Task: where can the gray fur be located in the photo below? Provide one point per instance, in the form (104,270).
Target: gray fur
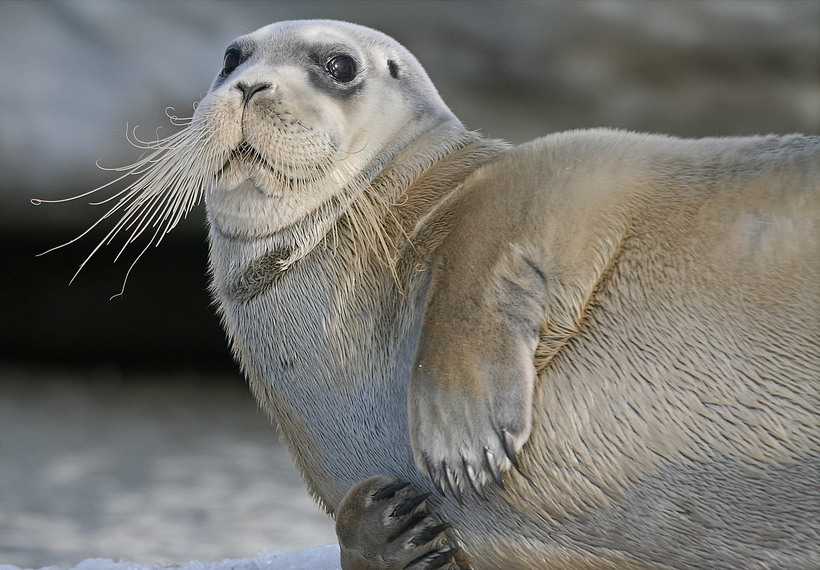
(714,514)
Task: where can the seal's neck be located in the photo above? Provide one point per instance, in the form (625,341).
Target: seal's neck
(328,343)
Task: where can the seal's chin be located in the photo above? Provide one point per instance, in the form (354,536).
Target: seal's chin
(252,205)
(237,188)
(241,181)
(239,206)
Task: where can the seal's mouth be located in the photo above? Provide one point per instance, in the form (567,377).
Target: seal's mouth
(247,158)
(245,154)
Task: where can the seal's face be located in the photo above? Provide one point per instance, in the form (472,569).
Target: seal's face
(301,118)
(297,114)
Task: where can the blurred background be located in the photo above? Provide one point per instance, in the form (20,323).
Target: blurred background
(126,431)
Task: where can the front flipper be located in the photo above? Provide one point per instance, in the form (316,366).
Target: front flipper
(384,523)
(471,389)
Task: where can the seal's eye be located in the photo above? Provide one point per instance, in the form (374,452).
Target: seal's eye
(342,68)
(232,60)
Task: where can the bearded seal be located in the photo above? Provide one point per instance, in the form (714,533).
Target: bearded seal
(598,349)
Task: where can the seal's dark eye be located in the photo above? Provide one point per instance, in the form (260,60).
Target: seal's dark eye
(341,68)
(232,60)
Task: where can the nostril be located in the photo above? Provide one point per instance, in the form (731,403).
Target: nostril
(249,91)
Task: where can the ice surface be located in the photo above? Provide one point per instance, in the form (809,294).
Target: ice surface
(318,558)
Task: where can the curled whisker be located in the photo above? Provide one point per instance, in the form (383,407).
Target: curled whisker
(167,183)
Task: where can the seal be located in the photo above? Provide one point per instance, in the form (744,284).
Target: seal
(598,349)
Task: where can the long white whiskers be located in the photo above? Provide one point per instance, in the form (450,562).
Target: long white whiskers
(170,181)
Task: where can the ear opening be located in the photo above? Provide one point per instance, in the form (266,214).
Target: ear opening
(394,69)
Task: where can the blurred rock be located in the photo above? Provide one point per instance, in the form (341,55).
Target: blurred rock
(77,73)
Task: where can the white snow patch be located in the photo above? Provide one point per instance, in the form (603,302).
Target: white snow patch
(317,558)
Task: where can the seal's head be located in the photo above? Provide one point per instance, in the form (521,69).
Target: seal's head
(302,115)
(300,120)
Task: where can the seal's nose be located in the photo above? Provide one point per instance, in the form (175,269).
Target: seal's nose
(249,91)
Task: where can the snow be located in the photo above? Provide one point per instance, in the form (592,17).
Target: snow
(318,558)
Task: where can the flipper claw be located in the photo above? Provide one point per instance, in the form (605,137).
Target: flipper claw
(509,446)
(409,505)
(472,479)
(492,467)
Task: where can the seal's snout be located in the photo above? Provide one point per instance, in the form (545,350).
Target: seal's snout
(249,91)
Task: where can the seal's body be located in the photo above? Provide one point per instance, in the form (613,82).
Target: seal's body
(601,347)
(674,418)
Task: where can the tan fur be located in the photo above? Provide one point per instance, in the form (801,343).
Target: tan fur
(684,258)
(632,320)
